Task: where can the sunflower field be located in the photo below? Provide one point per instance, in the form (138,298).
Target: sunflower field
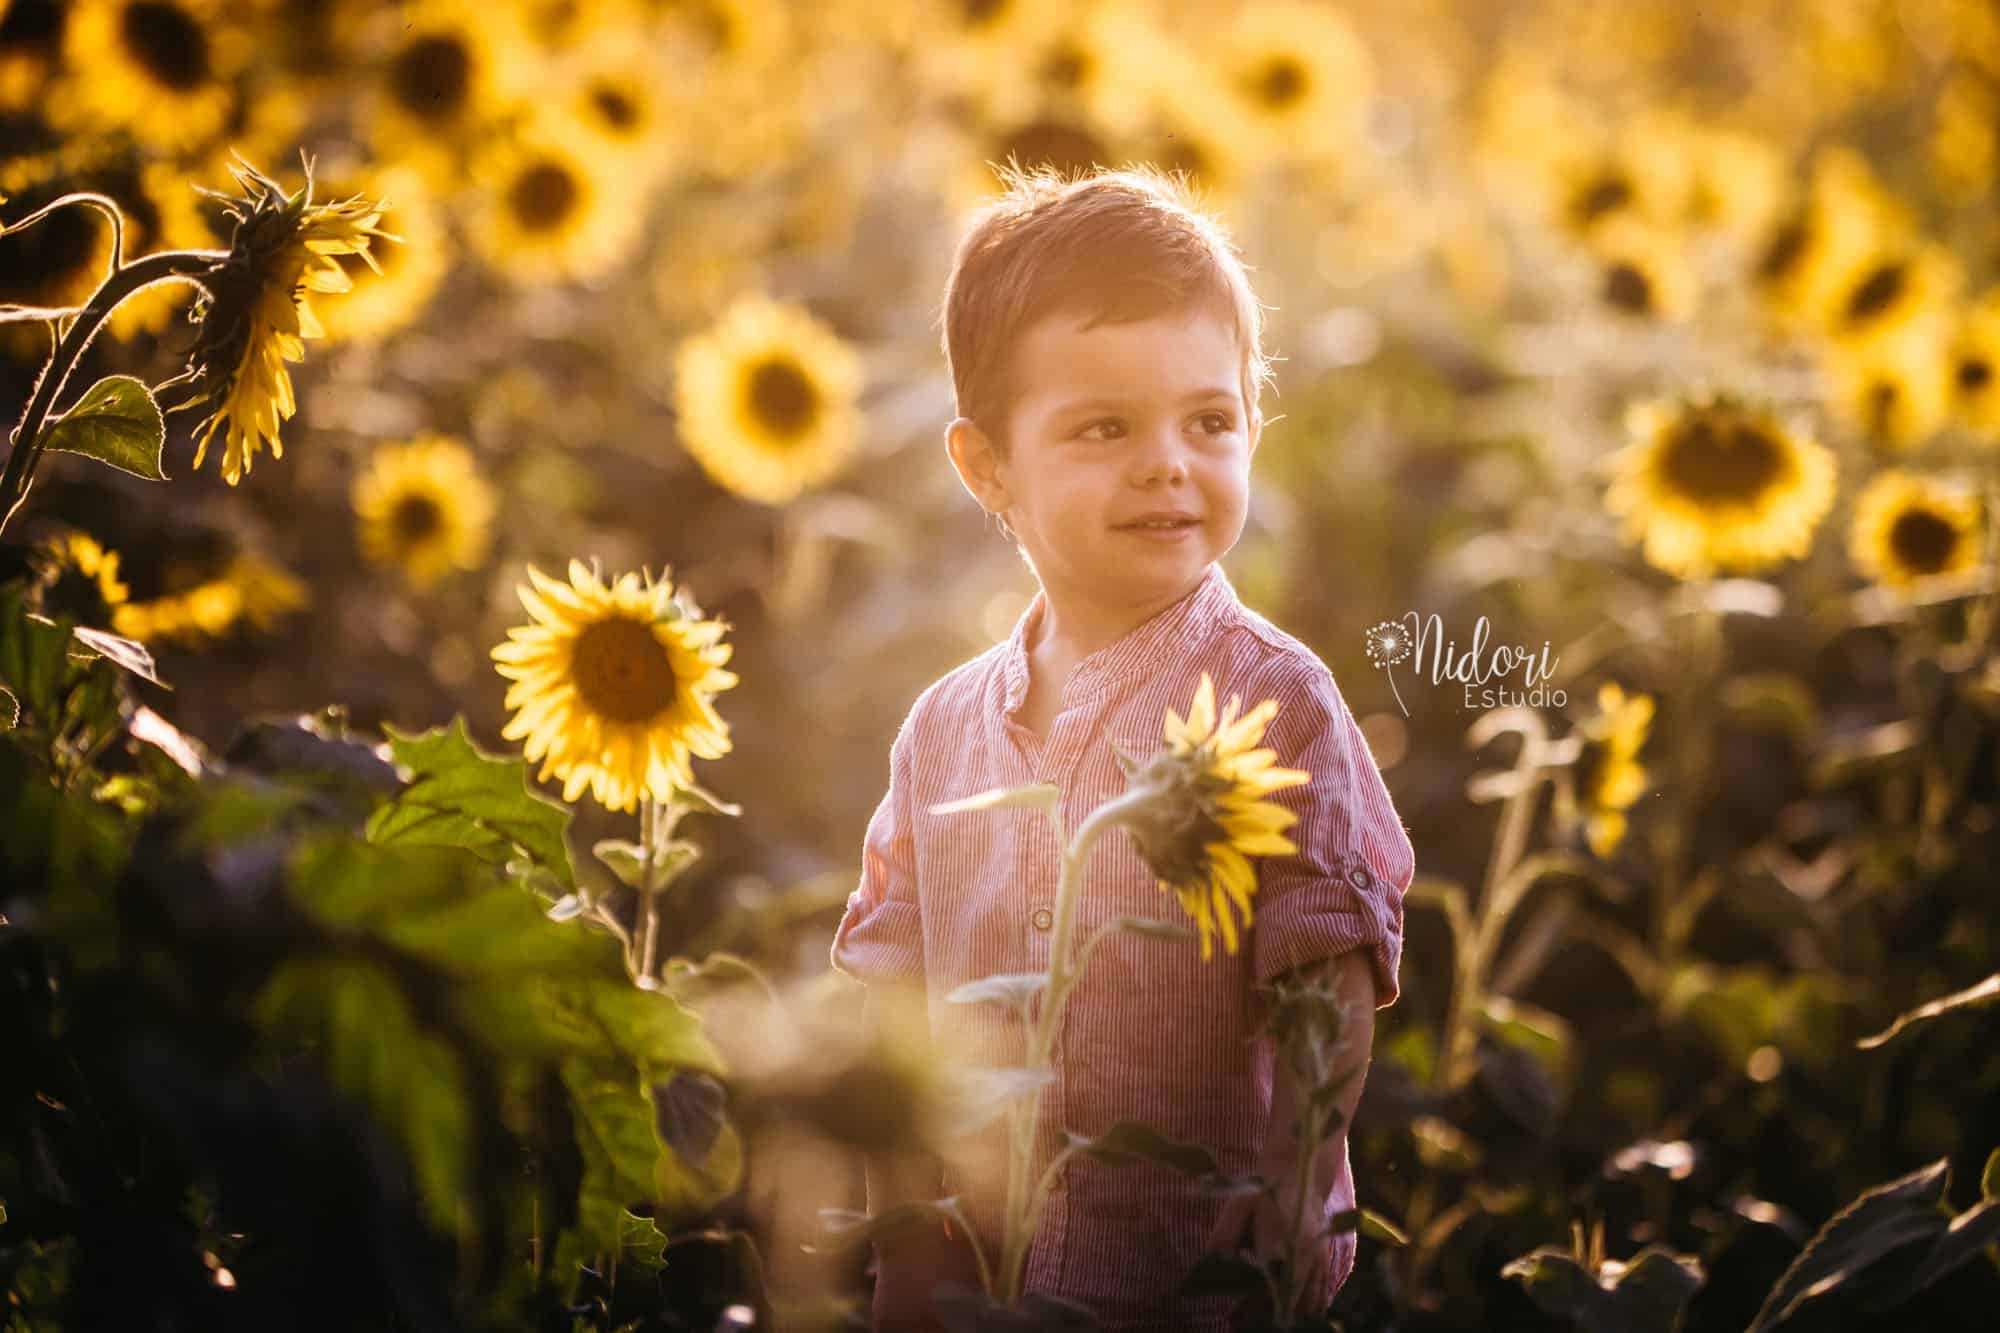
(473,521)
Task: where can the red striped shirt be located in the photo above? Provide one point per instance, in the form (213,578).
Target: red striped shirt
(1151,1033)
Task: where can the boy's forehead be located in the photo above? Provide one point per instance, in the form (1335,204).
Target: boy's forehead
(1070,353)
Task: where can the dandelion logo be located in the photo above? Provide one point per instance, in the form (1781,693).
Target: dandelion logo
(1388,644)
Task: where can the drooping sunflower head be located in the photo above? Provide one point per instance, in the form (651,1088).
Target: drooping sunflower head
(424,508)
(1908,527)
(1608,776)
(1205,814)
(159,69)
(1887,292)
(77,580)
(767,400)
(614,685)
(1712,483)
(284,247)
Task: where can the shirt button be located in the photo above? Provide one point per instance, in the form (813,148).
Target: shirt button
(1042,918)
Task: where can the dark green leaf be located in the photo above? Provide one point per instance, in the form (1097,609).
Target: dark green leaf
(1221,1274)
(1643,1296)
(1156,928)
(34,658)
(616,1139)
(460,797)
(10,709)
(131,655)
(704,802)
(115,422)
(624,859)
(1129,1140)
(688,1113)
(375,1051)
(1984,993)
(1858,1260)
(1369,1223)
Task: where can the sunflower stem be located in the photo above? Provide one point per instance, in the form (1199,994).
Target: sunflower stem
(1024,1204)
(184,265)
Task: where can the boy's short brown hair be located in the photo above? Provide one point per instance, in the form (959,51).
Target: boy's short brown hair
(1116,246)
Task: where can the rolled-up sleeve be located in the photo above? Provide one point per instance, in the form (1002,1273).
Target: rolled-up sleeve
(1343,889)
(881,936)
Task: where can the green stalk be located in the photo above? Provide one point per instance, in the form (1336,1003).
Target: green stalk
(185,265)
(1024,1204)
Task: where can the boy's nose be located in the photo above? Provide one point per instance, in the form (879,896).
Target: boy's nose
(1161,460)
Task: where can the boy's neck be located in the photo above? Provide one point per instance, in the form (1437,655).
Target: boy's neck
(1073,626)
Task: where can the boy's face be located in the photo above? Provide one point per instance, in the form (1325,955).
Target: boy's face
(1111,426)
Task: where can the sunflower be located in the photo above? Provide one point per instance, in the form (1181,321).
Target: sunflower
(1894,392)
(548,212)
(393,286)
(160,69)
(1058,137)
(958,47)
(619,103)
(1298,76)
(1888,292)
(1642,271)
(1735,181)
(1975,365)
(453,68)
(1608,776)
(78,580)
(31,40)
(284,247)
(767,400)
(1804,267)
(614,683)
(247,590)
(1595,184)
(1712,483)
(423,507)
(1908,527)
(1208,815)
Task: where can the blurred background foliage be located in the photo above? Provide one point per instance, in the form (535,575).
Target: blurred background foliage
(1662,334)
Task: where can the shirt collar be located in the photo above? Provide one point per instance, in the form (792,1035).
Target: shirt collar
(1176,628)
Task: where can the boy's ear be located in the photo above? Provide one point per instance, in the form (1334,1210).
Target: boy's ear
(1256,428)
(977,463)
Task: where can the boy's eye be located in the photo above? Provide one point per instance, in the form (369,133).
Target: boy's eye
(1217,423)
(1117,426)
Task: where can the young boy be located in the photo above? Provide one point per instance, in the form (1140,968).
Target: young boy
(1105,351)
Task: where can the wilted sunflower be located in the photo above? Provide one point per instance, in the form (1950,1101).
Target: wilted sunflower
(424,507)
(1608,776)
(1908,527)
(160,69)
(1298,76)
(1712,483)
(614,683)
(258,311)
(1895,392)
(767,400)
(549,212)
(77,580)
(1208,814)
(393,286)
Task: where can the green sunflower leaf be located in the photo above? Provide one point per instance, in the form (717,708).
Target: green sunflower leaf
(1129,1141)
(1644,1296)
(127,653)
(461,797)
(10,709)
(115,422)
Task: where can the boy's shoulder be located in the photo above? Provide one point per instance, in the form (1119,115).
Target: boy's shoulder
(952,697)
(1254,654)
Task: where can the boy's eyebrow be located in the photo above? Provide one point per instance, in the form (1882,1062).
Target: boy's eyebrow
(1114,400)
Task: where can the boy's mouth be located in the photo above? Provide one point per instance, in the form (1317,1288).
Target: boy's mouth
(1160,523)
